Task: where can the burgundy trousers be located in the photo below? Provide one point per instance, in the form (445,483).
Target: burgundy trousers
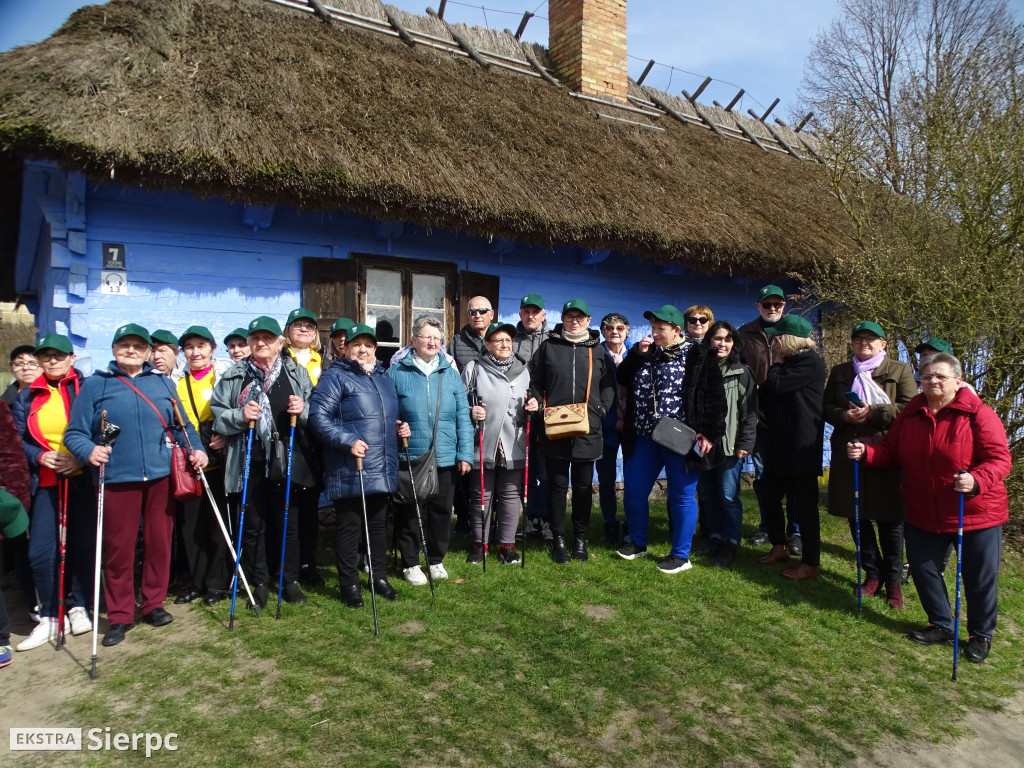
(124,505)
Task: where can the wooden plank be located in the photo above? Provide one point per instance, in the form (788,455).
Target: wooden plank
(703,115)
(532,58)
(397,26)
(782,142)
(669,109)
(462,40)
(320,11)
(606,103)
(743,129)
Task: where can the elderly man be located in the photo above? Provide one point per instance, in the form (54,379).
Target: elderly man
(469,342)
(758,349)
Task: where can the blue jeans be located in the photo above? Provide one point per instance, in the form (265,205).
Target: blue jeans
(44,547)
(719,492)
(982,552)
(642,468)
(606,467)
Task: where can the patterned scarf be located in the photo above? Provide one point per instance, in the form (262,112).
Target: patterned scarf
(262,380)
(675,351)
(504,366)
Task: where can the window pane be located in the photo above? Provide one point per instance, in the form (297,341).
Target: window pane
(383,287)
(428,292)
(386,323)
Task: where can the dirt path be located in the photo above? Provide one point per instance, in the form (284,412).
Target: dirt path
(993,740)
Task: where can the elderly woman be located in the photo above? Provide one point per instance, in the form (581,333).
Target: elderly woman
(205,550)
(265,389)
(570,367)
(339,332)
(304,346)
(25,369)
(882,388)
(790,399)
(354,414)
(668,376)
(698,319)
(135,396)
(718,489)
(500,382)
(237,344)
(951,447)
(428,387)
(615,329)
(41,414)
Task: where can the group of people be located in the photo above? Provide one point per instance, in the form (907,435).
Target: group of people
(505,415)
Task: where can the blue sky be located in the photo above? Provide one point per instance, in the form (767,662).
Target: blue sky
(758,46)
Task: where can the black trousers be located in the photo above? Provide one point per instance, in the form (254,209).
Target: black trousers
(881,557)
(437,518)
(581,473)
(262,530)
(349,535)
(801,495)
(307,505)
(206,553)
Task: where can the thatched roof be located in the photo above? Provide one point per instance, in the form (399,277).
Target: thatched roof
(261,103)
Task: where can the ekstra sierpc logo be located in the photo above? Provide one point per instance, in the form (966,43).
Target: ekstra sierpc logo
(95,739)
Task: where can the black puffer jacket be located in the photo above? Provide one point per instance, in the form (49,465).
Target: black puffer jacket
(702,392)
(465,346)
(791,399)
(560,371)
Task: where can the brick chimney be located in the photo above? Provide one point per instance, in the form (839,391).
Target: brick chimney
(587,45)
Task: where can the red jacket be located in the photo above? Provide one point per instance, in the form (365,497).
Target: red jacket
(931,447)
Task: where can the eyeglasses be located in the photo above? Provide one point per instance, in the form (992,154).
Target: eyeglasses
(429,339)
(45,357)
(935,377)
(619,328)
(128,346)
(865,339)
(574,319)
(500,342)
(773,304)
(697,320)
(25,364)
(304,325)
(472,312)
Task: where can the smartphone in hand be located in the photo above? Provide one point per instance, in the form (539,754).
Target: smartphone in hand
(854,398)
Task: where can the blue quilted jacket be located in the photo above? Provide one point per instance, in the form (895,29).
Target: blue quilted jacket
(349,404)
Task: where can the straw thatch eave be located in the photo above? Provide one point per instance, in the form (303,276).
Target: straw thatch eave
(255,103)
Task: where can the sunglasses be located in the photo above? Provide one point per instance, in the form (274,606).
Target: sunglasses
(697,320)
(773,304)
(45,357)
(472,312)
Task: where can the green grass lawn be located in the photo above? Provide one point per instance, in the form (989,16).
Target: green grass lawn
(606,663)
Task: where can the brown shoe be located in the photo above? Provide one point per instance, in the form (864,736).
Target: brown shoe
(801,572)
(777,554)
(894,596)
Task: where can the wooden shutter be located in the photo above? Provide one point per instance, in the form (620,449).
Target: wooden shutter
(475,284)
(330,288)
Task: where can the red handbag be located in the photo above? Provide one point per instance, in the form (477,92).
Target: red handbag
(184,479)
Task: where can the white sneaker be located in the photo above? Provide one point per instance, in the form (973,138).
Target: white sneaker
(437,571)
(41,634)
(415,576)
(79,619)
(34,614)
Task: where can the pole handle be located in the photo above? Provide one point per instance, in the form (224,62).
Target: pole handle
(359,463)
(252,425)
(103,420)
(293,419)
(177,412)
(405,443)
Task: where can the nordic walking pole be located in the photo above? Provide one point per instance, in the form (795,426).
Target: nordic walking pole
(485,523)
(369,554)
(284,525)
(419,517)
(108,434)
(959,573)
(213,504)
(856,535)
(526,490)
(241,525)
(62,537)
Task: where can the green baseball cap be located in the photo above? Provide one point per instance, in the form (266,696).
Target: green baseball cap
(770,290)
(239,332)
(160,336)
(493,328)
(264,323)
(361,329)
(299,314)
(578,304)
(532,300)
(55,341)
(667,314)
(195,330)
(22,349)
(790,325)
(342,325)
(132,329)
(870,326)
(939,345)
(13,517)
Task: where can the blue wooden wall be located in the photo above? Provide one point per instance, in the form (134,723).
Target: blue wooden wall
(220,264)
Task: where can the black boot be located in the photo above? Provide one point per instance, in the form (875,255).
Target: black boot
(558,553)
(579,549)
(611,534)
